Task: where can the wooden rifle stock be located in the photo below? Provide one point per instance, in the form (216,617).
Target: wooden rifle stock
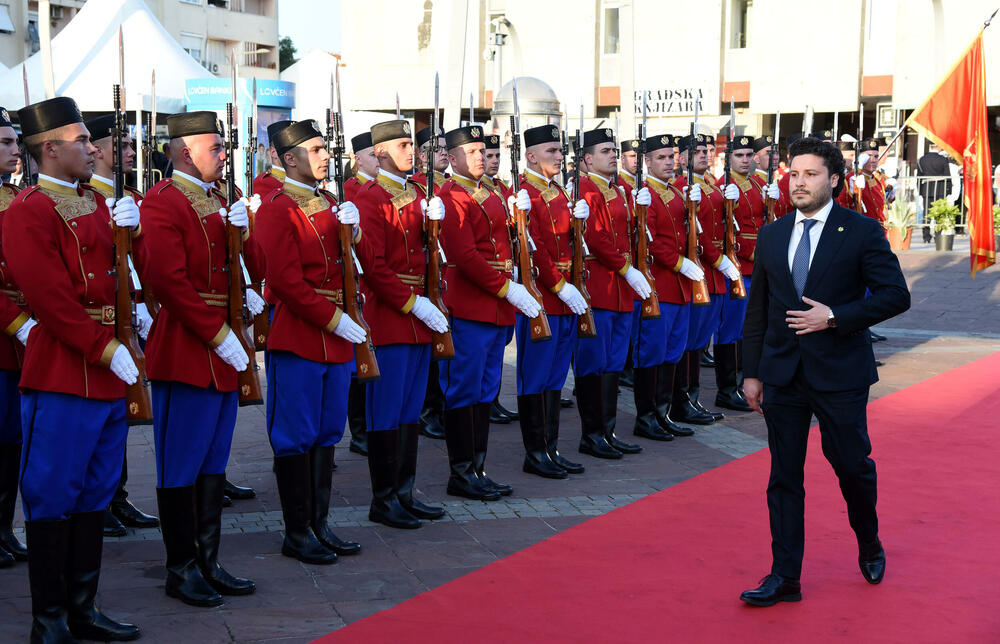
(737,289)
(249,388)
(769,210)
(586,326)
(699,289)
(139,404)
(442,347)
(651,305)
(261,321)
(364,353)
(540,329)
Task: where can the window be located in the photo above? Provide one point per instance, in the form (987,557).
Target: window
(6,24)
(612,42)
(740,23)
(33,34)
(219,3)
(191,1)
(192,44)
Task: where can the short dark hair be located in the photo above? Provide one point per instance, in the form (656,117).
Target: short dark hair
(832,157)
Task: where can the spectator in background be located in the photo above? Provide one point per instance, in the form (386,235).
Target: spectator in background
(935,163)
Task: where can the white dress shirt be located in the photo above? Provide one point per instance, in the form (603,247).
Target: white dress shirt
(205,185)
(400,180)
(814,232)
(304,186)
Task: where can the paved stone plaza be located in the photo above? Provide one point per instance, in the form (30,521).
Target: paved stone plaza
(953,321)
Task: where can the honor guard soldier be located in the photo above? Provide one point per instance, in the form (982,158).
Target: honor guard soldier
(482,297)
(613,284)
(365,170)
(764,155)
(542,367)
(431,421)
(402,318)
(57,241)
(627,168)
(748,211)
(659,343)
(14,317)
(868,183)
(311,343)
(705,320)
(192,355)
(267,182)
(121,513)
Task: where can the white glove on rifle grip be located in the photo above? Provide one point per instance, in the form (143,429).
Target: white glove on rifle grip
(255,303)
(124,213)
(521,299)
(642,197)
(22,333)
(232,353)
(426,312)
(695,191)
(858,182)
(732,192)
(123,366)
(572,298)
(350,330)
(729,269)
(773,192)
(236,215)
(581,210)
(433,209)
(691,270)
(143,320)
(638,282)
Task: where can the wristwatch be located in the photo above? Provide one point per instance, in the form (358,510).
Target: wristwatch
(831,321)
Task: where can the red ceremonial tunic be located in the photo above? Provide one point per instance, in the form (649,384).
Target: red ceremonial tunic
(609,240)
(627,182)
(872,196)
(666,218)
(184,263)
(57,243)
(394,258)
(712,215)
(13,307)
(267,182)
(549,223)
(300,237)
(783,205)
(353,185)
(439,179)
(749,214)
(496,185)
(476,241)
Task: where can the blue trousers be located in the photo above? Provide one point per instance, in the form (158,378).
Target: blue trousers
(192,431)
(306,402)
(543,366)
(662,339)
(733,314)
(397,398)
(71,458)
(10,408)
(473,377)
(606,353)
(705,321)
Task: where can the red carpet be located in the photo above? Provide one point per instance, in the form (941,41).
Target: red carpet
(672,565)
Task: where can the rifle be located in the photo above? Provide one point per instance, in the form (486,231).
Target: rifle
(250,391)
(149,171)
(139,404)
(586,326)
(773,156)
(26,178)
(364,353)
(737,289)
(651,305)
(859,204)
(261,321)
(564,143)
(442,347)
(525,246)
(699,289)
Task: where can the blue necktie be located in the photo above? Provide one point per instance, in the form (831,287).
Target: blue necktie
(800,263)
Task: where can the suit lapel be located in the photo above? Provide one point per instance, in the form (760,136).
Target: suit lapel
(834,234)
(783,236)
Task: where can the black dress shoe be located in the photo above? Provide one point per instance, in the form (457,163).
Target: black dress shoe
(113,527)
(497,417)
(133,517)
(877,337)
(871,559)
(239,493)
(565,403)
(598,446)
(707,360)
(95,625)
(879,363)
(431,425)
(773,589)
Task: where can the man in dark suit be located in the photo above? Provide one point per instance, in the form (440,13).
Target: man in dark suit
(806,351)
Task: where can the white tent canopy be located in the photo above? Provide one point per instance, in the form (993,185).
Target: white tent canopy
(85,61)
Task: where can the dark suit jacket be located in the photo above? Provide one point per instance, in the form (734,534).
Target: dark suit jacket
(852,255)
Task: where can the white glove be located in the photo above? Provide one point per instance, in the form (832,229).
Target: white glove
(350,330)
(253,203)
(429,314)
(347,214)
(232,352)
(732,192)
(858,182)
(638,283)
(729,269)
(642,197)
(522,300)
(123,366)
(22,333)
(691,270)
(124,213)
(433,209)
(143,320)
(572,298)
(581,209)
(773,192)
(255,303)
(237,214)
(863,159)
(521,201)
(695,193)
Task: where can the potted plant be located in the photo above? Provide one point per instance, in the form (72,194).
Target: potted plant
(900,224)
(996,223)
(943,214)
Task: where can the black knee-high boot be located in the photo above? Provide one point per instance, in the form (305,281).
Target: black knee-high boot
(407,475)
(609,391)
(590,402)
(208,492)
(532,418)
(646,423)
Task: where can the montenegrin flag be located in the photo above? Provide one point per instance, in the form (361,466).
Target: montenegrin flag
(954,117)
